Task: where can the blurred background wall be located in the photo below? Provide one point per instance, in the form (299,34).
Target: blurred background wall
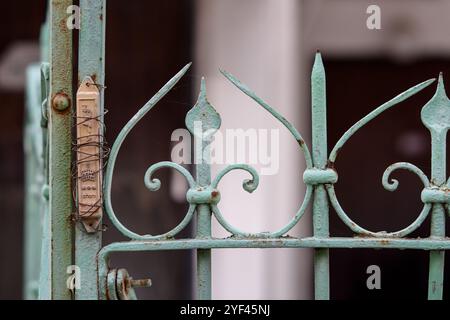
(269,45)
(258,42)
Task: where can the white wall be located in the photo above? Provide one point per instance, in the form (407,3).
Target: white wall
(259,42)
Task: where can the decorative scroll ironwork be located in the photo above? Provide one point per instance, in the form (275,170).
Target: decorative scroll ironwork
(207,116)
(203,195)
(202,191)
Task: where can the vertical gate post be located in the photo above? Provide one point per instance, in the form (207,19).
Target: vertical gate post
(320,156)
(202,121)
(203,177)
(60,147)
(91,62)
(434,118)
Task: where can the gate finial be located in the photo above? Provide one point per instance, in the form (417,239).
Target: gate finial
(436,113)
(204,114)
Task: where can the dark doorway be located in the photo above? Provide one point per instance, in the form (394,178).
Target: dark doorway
(147,42)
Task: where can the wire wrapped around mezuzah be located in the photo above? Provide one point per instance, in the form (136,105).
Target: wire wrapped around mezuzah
(89,154)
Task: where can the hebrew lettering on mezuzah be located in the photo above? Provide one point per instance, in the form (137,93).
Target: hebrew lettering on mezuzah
(89,160)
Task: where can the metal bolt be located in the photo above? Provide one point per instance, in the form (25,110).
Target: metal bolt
(61,102)
(140,283)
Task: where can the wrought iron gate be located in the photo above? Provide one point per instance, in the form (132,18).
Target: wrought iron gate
(64,239)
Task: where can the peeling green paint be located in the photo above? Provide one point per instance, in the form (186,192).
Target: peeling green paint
(60,149)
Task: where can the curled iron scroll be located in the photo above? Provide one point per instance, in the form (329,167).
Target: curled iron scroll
(388,185)
(251,185)
(151,184)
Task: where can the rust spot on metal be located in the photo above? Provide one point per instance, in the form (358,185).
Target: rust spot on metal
(126,284)
(214,194)
(301,142)
(63,25)
(337,152)
(108,297)
(73,218)
(141,283)
(384,242)
(330,164)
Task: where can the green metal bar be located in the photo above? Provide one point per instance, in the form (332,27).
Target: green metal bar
(436,117)
(60,123)
(437,258)
(46,241)
(285,242)
(91,62)
(34,179)
(292,243)
(201,116)
(320,200)
(203,255)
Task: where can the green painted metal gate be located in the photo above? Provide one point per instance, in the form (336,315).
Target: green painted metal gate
(58,242)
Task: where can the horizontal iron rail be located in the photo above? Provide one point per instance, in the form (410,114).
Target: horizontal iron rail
(261,243)
(285,242)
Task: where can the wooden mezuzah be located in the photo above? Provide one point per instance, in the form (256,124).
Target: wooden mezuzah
(89,160)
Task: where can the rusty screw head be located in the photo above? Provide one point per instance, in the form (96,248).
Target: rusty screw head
(141,283)
(60,102)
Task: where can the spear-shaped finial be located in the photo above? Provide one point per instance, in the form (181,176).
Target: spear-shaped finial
(204,114)
(319,112)
(436,113)
(440,86)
